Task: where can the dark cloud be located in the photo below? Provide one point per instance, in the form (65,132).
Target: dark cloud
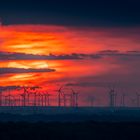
(127,55)
(108,52)
(22,70)
(4,88)
(18,87)
(111,53)
(23,56)
(86,13)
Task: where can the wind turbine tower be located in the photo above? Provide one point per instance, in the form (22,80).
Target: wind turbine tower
(123,100)
(112,95)
(138,99)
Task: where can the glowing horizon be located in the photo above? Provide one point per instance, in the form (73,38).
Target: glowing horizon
(108,55)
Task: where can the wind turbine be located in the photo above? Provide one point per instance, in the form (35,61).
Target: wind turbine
(112,95)
(9,96)
(1,91)
(47,98)
(23,95)
(34,93)
(59,95)
(123,99)
(138,99)
(133,100)
(17,101)
(66,97)
(74,100)
(35,98)
(38,99)
(42,100)
(8,100)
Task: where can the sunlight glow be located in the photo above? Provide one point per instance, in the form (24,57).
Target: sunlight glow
(27,65)
(22,77)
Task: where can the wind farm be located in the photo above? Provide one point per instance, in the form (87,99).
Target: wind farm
(32,96)
(64,102)
(62,97)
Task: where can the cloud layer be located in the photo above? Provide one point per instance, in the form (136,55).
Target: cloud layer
(75,56)
(23,56)
(22,70)
(86,58)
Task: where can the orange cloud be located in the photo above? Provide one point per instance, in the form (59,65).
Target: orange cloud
(46,39)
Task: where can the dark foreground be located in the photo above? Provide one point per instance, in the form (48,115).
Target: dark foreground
(69,131)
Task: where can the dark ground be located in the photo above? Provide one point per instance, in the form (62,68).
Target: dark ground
(69,131)
(70,124)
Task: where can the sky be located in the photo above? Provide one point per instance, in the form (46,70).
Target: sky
(88,46)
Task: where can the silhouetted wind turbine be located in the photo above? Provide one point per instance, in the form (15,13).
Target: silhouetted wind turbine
(133,102)
(47,98)
(138,99)
(23,95)
(74,98)
(112,95)
(123,99)
(8,100)
(34,93)
(59,95)
(1,97)
(35,98)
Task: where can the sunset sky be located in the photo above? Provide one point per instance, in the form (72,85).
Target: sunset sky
(89,46)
